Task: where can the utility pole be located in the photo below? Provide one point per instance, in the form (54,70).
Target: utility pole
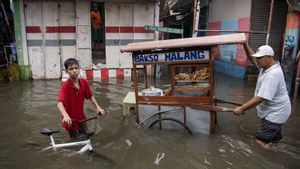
(196,17)
(270,22)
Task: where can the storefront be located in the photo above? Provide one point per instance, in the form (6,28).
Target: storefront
(57,30)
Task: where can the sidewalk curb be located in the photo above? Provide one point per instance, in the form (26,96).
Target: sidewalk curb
(100,73)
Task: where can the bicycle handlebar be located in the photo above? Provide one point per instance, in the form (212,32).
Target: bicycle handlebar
(49,132)
(85,120)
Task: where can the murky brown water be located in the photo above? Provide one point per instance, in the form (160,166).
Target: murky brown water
(27,107)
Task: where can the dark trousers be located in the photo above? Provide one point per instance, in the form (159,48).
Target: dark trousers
(269,131)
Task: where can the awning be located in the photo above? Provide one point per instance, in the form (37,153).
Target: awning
(186,42)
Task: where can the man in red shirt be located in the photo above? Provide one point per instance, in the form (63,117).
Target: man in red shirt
(71,98)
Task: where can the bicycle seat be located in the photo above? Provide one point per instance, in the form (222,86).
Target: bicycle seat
(48,132)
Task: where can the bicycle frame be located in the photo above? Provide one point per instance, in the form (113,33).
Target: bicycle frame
(87,145)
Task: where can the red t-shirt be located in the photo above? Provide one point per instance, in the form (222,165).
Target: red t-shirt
(73,100)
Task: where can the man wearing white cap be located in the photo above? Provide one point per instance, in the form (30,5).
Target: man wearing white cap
(270,98)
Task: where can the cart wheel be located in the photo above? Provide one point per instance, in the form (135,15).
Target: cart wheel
(178,122)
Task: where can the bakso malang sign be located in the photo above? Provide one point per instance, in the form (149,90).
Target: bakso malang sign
(172,57)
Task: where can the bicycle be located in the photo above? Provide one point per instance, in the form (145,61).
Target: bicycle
(87,145)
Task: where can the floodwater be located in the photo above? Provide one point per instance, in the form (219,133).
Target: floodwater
(27,107)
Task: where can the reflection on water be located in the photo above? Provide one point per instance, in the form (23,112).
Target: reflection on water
(27,107)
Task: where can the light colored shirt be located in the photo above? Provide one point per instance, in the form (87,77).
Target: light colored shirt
(271,86)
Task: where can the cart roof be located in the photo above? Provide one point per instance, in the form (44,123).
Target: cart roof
(185,42)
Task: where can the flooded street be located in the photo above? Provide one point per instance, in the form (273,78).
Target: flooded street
(27,107)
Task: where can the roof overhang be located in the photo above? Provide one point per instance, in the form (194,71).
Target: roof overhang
(206,41)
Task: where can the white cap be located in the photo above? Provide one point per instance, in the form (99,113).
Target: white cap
(264,50)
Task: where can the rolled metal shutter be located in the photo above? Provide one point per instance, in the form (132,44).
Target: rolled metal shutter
(259,22)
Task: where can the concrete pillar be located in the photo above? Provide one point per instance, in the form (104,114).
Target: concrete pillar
(20,36)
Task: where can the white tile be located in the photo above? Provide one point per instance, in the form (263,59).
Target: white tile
(112,73)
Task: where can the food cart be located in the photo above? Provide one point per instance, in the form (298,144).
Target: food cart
(181,77)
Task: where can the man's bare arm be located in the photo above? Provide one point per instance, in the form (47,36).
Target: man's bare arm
(249,52)
(256,100)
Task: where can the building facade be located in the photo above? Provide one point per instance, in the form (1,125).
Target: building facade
(51,31)
(251,17)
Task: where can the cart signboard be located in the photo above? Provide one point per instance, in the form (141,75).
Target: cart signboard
(172,57)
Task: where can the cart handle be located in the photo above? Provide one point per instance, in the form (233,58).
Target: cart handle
(225,101)
(211,108)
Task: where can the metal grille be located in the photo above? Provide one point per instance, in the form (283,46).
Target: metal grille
(259,22)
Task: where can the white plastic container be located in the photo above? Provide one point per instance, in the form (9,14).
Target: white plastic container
(152,92)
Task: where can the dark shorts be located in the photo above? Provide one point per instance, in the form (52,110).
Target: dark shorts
(269,131)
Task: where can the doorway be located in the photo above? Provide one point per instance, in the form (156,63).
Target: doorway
(98,34)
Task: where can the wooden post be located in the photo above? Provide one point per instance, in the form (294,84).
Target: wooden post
(297,80)
(196,17)
(213,114)
(270,22)
(135,89)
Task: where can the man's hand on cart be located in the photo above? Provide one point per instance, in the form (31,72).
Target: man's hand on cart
(238,111)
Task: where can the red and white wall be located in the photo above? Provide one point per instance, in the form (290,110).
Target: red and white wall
(230,59)
(57,30)
(125,24)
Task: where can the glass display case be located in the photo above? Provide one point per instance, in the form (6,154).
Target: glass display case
(172,81)
(190,80)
